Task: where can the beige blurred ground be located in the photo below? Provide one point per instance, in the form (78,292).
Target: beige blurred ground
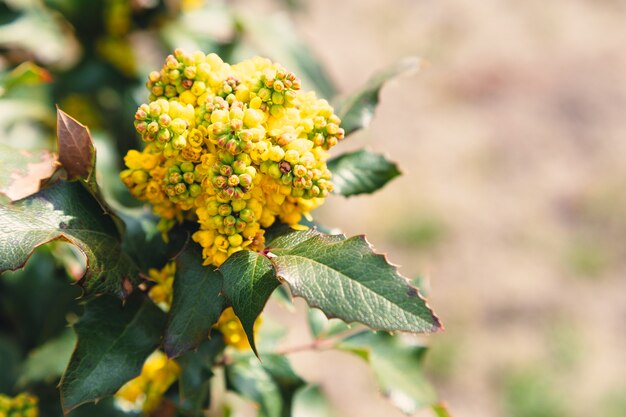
(512,140)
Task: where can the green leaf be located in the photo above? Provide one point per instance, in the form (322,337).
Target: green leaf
(196,373)
(143,241)
(197,303)
(23,171)
(249,280)
(361,172)
(247,377)
(10,357)
(288,381)
(113,342)
(397,367)
(357,110)
(47,362)
(271,384)
(36,300)
(310,401)
(76,151)
(68,211)
(347,280)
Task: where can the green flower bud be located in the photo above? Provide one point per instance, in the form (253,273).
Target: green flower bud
(180,188)
(274,171)
(189,177)
(233,180)
(230,221)
(247,215)
(195,190)
(238,205)
(179,126)
(224,210)
(179,142)
(240,226)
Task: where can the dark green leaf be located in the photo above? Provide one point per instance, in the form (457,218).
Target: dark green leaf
(361,172)
(196,373)
(249,280)
(76,151)
(10,357)
(347,280)
(357,110)
(197,304)
(36,300)
(144,243)
(397,367)
(113,343)
(310,401)
(68,211)
(23,171)
(47,362)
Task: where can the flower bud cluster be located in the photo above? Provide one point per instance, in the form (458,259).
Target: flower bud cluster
(231,147)
(231,329)
(23,405)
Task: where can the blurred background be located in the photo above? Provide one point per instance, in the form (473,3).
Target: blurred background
(511,140)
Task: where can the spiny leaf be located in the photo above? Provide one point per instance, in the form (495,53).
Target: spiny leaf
(76,151)
(23,171)
(249,280)
(196,373)
(397,367)
(197,302)
(113,342)
(357,110)
(347,280)
(361,172)
(68,211)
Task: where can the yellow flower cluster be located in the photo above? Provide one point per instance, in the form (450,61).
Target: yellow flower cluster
(23,405)
(145,392)
(231,329)
(233,147)
(162,290)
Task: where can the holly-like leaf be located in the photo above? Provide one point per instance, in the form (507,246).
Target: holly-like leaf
(249,280)
(357,110)
(113,342)
(47,362)
(196,373)
(68,211)
(197,303)
(76,151)
(310,401)
(361,172)
(397,367)
(347,280)
(23,171)
(288,381)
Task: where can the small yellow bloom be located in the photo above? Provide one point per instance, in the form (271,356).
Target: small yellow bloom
(145,392)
